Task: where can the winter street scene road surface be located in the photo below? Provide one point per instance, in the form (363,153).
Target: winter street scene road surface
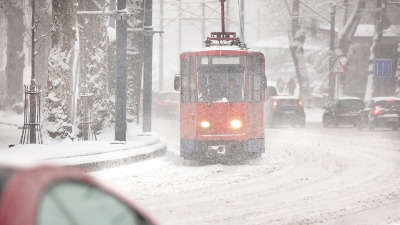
(310,175)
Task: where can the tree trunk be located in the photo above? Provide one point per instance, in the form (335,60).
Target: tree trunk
(297,38)
(93,66)
(345,37)
(345,7)
(375,47)
(43,42)
(15,53)
(57,110)
(135,61)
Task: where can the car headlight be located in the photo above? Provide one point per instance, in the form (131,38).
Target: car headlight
(205,124)
(236,124)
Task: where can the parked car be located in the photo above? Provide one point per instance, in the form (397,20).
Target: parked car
(284,110)
(47,195)
(380,112)
(166,104)
(270,91)
(342,111)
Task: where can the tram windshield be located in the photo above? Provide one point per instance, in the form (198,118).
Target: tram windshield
(220,79)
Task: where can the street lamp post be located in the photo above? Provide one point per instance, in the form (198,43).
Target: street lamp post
(120,76)
(332,12)
(147,65)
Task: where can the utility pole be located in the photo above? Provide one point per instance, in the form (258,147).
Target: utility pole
(161,49)
(242,20)
(258,24)
(120,77)
(148,63)
(228,15)
(32,102)
(332,12)
(180,28)
(111,19)
(203,21)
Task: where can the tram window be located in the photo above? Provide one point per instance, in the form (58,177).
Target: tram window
(257,82)
(192,84)
(220,81)
(250,79)
(204,60)
(185,80)
(226,60)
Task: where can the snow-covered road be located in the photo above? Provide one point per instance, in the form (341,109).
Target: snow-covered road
(307,176)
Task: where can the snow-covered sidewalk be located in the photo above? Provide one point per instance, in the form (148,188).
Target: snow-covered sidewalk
(91,155)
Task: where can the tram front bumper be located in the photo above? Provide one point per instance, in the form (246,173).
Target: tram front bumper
(194,148)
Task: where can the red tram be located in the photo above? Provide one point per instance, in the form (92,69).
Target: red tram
(222,99)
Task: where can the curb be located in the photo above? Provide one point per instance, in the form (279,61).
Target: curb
(107,164)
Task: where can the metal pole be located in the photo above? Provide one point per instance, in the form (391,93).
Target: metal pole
(223,15)
(161,49)
(32,101)
(332,52)
(227,15)
(147,67)
(336,85)
(33,41)
(258,24)
(180,28)
(120,77)
(111,19)
(242,20)
(203,21)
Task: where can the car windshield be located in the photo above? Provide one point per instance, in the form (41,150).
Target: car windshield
(387,104)
(351,103)
(220,79)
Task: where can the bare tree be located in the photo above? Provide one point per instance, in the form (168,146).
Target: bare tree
(135,60)
(345,36)
(57,111)
(15,55)
(297,37)
(2,53)
(42,31)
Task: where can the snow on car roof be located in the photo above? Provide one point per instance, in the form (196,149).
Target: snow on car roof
(377,99)
(348,98)
(279,97)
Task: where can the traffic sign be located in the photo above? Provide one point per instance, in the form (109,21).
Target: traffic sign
(337,67)
(383,68)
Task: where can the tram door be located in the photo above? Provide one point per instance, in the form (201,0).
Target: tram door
(188,112)
(255,93)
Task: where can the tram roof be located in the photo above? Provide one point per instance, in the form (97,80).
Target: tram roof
(222,48)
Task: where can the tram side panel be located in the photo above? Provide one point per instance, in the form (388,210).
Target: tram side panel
(188,110)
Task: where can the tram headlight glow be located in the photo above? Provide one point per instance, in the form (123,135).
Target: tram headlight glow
(205,124)
(236,124)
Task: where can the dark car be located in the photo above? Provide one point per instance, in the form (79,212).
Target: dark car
(284,110)
(166,104)
(342,111)
(48,195)
(380,112)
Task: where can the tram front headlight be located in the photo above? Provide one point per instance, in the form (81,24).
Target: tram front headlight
(205,124)
(236,124)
